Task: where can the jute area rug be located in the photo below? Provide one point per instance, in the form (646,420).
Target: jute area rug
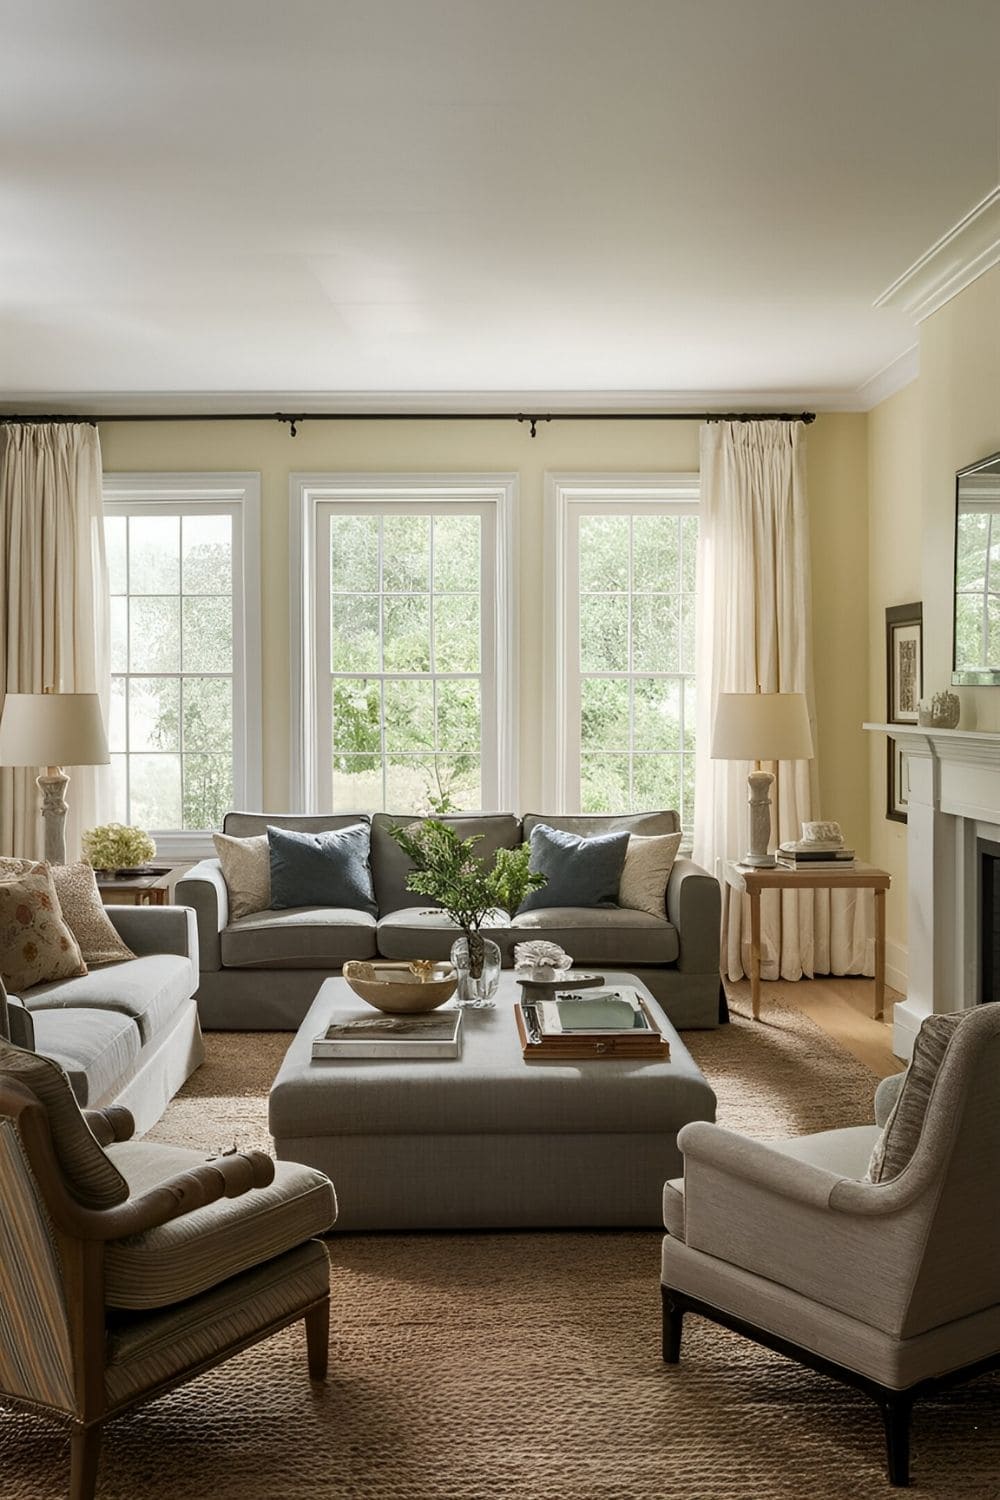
(514,1365)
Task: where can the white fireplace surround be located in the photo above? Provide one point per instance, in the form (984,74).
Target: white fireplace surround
(953,803)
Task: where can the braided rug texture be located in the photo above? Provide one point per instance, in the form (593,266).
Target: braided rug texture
(520,1366)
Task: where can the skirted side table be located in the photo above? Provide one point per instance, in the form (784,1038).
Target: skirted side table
(753,882)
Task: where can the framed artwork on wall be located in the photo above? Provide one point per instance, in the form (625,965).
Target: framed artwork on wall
(904,685)
(904,671)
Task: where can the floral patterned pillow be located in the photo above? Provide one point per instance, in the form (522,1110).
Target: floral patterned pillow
(35,943)
(82,909)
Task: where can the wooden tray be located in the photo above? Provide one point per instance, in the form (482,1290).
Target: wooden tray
(579,1048)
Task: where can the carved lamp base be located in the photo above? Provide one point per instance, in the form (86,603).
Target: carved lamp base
(52,786)
(760,783)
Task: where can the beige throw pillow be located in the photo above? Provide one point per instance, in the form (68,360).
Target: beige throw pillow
(648,862)
(86,916)
(36,945)
(82,908)
(898,1141)
(246,869)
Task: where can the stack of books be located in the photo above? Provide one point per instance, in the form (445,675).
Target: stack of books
(803,855)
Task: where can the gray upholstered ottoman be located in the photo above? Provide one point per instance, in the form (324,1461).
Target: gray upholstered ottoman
(486,1140)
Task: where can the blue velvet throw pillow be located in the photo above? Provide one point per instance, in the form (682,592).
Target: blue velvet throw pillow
(321,869)
(580,871)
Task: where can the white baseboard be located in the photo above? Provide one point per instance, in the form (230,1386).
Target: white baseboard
(897,966)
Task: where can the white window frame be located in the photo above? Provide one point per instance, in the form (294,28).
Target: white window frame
(237,495)
(567,497)
(311,496)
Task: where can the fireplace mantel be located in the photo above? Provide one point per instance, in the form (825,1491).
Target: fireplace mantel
(954,801)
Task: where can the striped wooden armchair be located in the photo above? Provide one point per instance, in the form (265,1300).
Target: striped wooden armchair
(126,1267)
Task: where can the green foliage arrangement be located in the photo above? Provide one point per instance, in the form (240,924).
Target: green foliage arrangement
(115,846)
(447,869)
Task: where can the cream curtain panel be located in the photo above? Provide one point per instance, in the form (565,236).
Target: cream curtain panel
(755,631)
(53,605)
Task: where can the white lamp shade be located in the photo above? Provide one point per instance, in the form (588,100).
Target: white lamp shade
(52,729)
(762,726)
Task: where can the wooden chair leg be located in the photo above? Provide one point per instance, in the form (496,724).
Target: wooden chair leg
(896,1412)
(84,1454)
(673,1323)
(318,1340)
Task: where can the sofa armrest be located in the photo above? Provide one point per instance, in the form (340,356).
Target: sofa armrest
(694,906)
(850,1244)
(16,1022)
(158,929)
(204,889)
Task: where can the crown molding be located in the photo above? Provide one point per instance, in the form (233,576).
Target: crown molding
(899,372)
(302,403)
(970,247)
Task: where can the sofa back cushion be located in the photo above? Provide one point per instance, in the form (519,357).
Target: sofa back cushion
(244,825)
(588,824)
(390,866)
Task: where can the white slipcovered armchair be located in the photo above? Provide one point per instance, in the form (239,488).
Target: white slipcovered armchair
(892,1286)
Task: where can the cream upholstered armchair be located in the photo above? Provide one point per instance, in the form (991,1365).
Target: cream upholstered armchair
(891,1285)
(127,1267)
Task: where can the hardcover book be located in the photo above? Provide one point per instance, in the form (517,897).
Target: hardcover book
(435,1033)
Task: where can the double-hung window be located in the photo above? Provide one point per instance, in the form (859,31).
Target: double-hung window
(625,641)
(406,668)
(184,725)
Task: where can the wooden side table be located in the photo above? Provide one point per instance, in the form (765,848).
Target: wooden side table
(752,882)
(133,890)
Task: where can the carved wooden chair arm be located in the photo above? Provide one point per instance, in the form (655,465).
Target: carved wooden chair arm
(112,1124)
(227,1176)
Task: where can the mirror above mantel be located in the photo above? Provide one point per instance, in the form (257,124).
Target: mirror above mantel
(976,659)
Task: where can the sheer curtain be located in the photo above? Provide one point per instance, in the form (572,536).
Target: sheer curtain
(755,631)
(53,605)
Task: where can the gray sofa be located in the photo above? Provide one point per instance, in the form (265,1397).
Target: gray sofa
(126,1033)
(262,972)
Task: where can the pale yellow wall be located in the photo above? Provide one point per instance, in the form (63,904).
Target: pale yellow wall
(960,418)
(948,418)
(895,562)
(838,503)
(837,479)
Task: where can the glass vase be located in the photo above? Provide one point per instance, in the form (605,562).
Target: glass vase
(477,963)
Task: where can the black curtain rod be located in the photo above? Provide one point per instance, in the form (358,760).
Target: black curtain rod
(427,416)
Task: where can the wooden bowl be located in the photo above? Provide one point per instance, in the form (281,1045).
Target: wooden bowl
(402,988)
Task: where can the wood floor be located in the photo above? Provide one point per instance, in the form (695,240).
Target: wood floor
(842,1007)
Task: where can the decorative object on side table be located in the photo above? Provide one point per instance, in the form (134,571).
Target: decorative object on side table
(116,849)
(402,988)
(904,682)
(761,727)
(53,730)
(447,869)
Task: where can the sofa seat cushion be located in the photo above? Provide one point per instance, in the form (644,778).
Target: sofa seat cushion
(419,932)
(148,989)
(846,1152)
(95,1048)
(673,1206)
(613,935)
(301,937)
(209,1245)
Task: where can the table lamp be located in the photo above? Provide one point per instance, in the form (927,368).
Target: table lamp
(759,727)
(53,730)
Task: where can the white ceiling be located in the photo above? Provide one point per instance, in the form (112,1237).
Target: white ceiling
(645,196)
